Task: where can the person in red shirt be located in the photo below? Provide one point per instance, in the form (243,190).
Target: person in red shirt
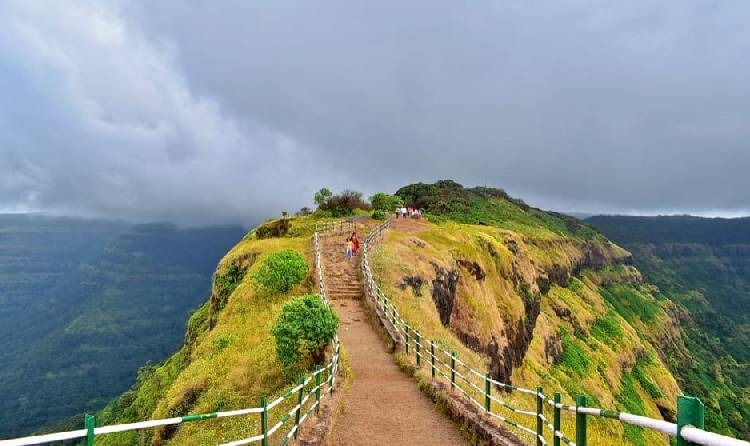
(355,243)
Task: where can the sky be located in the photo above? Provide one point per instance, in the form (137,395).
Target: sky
(232,111)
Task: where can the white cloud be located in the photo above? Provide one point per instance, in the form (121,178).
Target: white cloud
(98,119)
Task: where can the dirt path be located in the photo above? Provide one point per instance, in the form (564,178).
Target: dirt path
(383,406)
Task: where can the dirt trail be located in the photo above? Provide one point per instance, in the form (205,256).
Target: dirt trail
(383,406)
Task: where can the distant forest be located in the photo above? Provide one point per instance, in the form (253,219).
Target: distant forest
(85,303)
(702,264)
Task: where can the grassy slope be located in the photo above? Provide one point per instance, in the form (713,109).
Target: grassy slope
(228,367)
(704,266)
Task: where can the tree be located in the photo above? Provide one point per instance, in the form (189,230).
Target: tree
(386,203)
(280,271)
(322,196)
(302,331)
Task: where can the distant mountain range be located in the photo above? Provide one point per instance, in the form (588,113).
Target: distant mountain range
(85,303)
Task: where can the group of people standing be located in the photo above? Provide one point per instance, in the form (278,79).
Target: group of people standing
(408,212)
(352,246)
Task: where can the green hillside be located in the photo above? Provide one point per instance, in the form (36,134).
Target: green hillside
(703,265)
(85,303)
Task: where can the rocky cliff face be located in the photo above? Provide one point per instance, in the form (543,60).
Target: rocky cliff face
(529,279)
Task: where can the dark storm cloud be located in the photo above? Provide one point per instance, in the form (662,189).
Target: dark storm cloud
(222,110)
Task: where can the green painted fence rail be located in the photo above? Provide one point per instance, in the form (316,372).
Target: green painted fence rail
(476,385)
(309,392)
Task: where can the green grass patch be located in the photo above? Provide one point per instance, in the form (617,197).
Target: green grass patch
(573,357)
(608,329)
(641,374)
(631,302)
(630,401)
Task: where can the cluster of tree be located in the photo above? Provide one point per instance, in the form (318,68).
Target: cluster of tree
(349,201)
(341,204)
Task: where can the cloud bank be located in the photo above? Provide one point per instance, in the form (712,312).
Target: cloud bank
(233,111)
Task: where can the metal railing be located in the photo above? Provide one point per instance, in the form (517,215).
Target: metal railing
(309,392)
(476,386)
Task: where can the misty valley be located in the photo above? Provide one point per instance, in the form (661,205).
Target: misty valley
(85,303)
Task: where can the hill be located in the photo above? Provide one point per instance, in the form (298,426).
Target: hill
(534,297)
(530,296)
(703,265)
(85,303)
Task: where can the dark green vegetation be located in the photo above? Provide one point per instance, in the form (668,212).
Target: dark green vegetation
(704,266)
(339,205)
(280,271)
(489,206)
(85,303)
(302,332)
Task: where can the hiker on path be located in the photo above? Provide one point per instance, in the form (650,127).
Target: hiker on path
(349,248)
(355,243)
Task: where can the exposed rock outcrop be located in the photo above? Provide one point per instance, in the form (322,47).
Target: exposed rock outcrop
(444,291)
(414,282)
(473,267)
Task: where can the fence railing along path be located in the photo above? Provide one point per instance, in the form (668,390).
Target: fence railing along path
(289,410)
(477,386)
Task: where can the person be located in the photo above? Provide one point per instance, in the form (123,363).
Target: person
(355,243)
(349,247)
(398,213)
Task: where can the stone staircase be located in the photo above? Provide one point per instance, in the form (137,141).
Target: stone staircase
(341,275)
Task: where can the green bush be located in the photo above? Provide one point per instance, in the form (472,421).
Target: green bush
(280,271)
(302,331)
(378,215)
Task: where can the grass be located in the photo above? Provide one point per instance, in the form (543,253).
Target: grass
(607,329)
(573,357)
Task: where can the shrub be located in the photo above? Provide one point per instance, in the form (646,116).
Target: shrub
(280,271)
(302,331)
(377,214)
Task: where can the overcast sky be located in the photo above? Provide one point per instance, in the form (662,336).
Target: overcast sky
(226,111)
